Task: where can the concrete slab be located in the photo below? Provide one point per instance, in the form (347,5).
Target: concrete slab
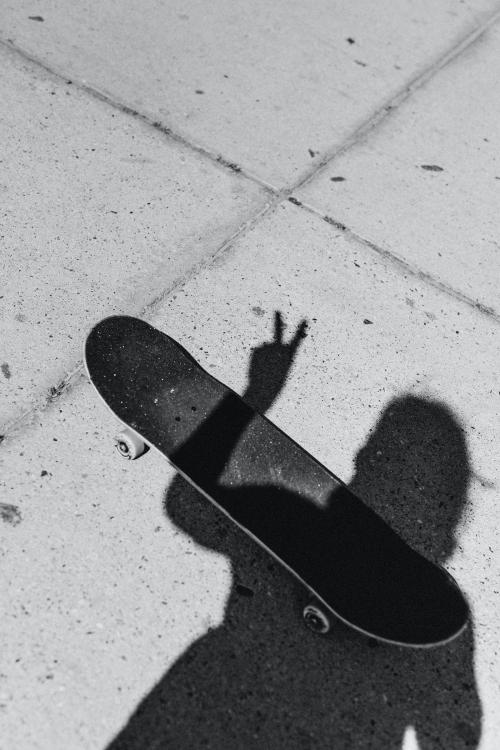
(270,86)
(394,388)
(100,591)
(100,212)
(424,186)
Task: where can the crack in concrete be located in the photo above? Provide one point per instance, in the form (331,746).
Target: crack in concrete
(402,264)
(73,379)
(245,227)
(380,114)
(126,109)
(277,195)
(395,101)
(51,395)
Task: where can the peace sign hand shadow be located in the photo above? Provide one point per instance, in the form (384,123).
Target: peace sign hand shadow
(270,364)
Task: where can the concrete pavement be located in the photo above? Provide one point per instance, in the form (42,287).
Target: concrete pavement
(205,170)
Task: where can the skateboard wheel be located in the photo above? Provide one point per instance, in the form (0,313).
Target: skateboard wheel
(129,445)
(315,619)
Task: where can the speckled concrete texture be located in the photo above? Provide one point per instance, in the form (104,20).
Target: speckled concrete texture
(298,76)
(425,187)
(134,616)
(100,591)
(100,211)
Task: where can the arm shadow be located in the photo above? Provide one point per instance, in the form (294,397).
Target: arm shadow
(261,679)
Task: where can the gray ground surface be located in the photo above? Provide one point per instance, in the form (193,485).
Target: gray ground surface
(204,167)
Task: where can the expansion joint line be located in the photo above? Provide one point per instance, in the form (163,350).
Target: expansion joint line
(400,263)
(394,102)
(276,195)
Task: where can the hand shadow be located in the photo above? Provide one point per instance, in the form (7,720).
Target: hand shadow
(263,680)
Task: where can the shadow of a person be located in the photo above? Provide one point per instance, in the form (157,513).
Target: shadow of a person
(261,679)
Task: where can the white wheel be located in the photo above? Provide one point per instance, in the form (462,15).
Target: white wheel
(129,445)
(316,619)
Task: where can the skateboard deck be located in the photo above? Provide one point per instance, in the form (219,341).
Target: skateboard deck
(345,555)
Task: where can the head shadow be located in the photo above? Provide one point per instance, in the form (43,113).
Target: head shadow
(414,471)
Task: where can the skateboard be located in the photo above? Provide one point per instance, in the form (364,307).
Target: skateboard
(352,564)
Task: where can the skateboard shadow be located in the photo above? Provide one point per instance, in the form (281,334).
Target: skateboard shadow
(262,679)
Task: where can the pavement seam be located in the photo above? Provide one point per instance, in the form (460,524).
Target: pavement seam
(380,114)
(65,384)
(73,378)
(245,227)
(395,101)
(278,196)
(120,106)
(400,263)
